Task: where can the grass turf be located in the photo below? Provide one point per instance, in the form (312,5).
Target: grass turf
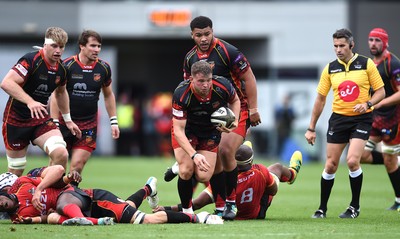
(288,217)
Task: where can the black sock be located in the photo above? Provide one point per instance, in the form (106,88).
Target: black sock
(326,189)
(179,217)
(377,157)
(217,183)
(231,184)
(395,180)
(137,197)
(185,190)
(356,184)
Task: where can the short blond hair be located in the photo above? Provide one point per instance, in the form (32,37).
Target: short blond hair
(57,34)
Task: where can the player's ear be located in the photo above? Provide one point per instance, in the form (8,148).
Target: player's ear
(351,45)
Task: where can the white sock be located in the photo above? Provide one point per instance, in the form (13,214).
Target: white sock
(188,210)
(175,168)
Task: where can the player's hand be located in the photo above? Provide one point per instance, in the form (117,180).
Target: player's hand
(201,162)
(74,129)
(22,220)
(255,119)
(310,137)
(38,110)
(158,209)
(36,200)
(74,176)
(115,131)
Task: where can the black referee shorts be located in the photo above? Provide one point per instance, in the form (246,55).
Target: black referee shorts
(342,128)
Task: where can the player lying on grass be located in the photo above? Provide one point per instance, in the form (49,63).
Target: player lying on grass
(257,185)
(34,200)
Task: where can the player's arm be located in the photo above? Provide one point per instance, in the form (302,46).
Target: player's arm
(180,136)
(251,92)
(111,107)
(62,98)
(50,176)
(11,84)
(54,110)
(234,105)
(319,105)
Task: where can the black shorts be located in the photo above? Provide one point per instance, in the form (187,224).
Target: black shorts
(342,128)
(99,203)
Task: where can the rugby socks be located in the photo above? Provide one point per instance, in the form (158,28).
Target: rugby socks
(231,184)
(72,210)
(395,180)
(327,181)
(138,197)
(356,179)
(218,189)
(178,217)
(185,190)
(377,157)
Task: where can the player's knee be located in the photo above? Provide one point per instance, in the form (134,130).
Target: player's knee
(54,142)
(16,163)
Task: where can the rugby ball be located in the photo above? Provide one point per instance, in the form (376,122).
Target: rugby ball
(223,116)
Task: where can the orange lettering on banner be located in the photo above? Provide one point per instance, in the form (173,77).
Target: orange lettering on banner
(171,18)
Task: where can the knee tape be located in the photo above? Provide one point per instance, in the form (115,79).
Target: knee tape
(16,163)
(370,145)
(54,142)
(139,217)
(276,179)
(391,149)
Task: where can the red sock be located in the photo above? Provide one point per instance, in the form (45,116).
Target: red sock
(72,210)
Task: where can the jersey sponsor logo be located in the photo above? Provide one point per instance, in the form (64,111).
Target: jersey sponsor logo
(42,87)
(21,69)
(42,77)
(77,76)
(336,70)
(348,91)
(96,76)
(80,86)
(361,131)
(177,113)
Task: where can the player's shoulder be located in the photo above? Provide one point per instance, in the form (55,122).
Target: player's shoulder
(182,86)
(104,63)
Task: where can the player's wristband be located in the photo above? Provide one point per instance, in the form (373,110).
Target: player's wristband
(113,120)
(194,155)
(67,117)
(311,130)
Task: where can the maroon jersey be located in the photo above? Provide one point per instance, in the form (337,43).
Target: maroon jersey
(250,191)
(386,119)
(225,60)
(24,188)
(186,104)
(40,80)
(84,86)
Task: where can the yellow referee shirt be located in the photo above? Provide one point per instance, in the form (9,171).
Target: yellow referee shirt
(351,83)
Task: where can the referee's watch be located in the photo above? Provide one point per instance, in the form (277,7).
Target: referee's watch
(369,104)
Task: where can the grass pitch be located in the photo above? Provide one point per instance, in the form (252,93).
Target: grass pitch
(288,217)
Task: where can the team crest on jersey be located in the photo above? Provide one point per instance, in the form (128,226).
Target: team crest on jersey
(58,79)
(96,76)
(216,104)
(212,64)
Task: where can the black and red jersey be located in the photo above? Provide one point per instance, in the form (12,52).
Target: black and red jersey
(186,104)
(225,60)
(389,69)
(40,80)
(84,86)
